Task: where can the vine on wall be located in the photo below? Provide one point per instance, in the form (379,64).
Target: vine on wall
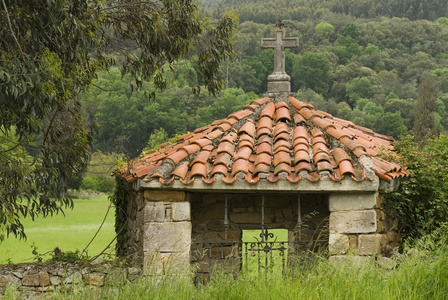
(118,198)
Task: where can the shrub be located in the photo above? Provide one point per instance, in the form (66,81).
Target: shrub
(421,202)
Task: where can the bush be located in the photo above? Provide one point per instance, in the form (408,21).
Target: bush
(421,202)
(97,183)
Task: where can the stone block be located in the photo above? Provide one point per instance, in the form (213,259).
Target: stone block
(55,280)
(44,278)
(155,212)
(349,201)
(361,221)
(167,237)
(251,218)
(232,235)
(171,263)
(180,211)
(31,280)
(75,277)
(216,225)
(370,244)
(8,279)
(167,196)
(279,216)
(96,279)
(199,228)
(215,211)
(338,244)
(386,263)
(116,276)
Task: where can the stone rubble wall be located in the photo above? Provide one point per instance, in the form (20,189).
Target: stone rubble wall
(34,280)
(359,226)
(244,212)
(135,231)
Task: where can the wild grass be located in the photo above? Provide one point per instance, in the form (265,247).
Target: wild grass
(69,233)
(421,273)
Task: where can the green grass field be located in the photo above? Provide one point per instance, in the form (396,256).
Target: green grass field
(70,232)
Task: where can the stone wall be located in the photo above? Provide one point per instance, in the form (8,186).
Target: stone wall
(359,226)
(167,232)
(244,212)
(136,214)
(34,280)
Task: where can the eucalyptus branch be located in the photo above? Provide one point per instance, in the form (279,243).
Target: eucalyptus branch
(10,28)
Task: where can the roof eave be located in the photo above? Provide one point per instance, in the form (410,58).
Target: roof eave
(324,185)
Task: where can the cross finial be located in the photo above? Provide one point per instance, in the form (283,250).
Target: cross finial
(279,81)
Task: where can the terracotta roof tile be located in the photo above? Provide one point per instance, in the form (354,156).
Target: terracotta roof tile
(248,128)
(301,156)
(243,153)
(282,113)
(263,158)
(282,157)
(298,118)
(261,168)
(223,158)
(264,148)
(181,170)
(257,140)
(268,111)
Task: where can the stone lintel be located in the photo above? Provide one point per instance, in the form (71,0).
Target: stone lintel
(164,195)
(322,186)
(360,221)
(352,201)
(167,237)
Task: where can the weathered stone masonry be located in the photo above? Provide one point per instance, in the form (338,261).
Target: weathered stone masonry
(167,232)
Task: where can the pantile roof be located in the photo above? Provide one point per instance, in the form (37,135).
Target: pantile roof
(271,139)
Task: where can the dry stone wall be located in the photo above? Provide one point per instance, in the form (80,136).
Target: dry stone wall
(31,281)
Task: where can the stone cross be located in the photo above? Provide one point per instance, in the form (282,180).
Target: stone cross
(279,81)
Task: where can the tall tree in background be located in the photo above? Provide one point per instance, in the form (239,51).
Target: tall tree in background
(425,119)
(51,51)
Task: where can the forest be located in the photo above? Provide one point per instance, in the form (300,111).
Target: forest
(380,64)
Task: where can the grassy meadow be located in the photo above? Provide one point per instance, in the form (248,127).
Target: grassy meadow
(69,233)
(420,274)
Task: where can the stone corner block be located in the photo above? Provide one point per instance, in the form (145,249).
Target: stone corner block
(352,201)
(172,263)
(371,244)
(360,221)
(155,212)
(180,211)
(167,237)
(163,195)
(338,244)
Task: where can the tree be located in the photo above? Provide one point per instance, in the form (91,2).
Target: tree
(312,71)
(324,29)
(425,120)
(51,52)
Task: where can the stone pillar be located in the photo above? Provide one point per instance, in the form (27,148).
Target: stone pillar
(167,233)
(355,225)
